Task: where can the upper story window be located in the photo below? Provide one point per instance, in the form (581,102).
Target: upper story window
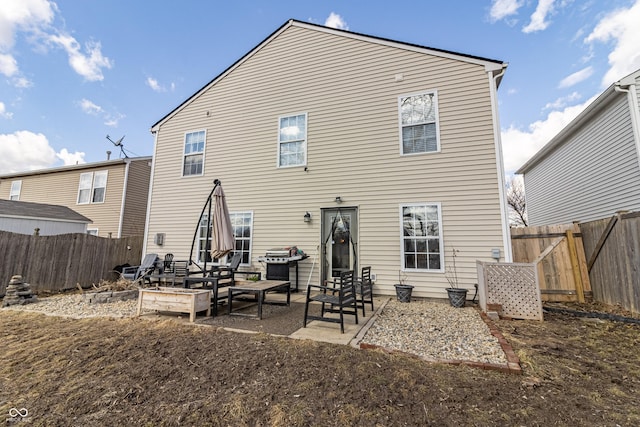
(193,153)
(16,186)
(292,140)
(419,123)
(92,187)
(421,237)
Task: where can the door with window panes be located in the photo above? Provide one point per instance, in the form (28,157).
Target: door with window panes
(339,242)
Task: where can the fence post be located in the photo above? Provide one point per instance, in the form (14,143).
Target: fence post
(575,267)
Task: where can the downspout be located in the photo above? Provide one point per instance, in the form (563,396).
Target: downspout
(124,195)
(634,110)
(153,168)
(504,213)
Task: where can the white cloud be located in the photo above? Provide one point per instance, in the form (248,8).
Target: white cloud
(23,15)
(90,108)
(563,101)
(538,18)
(88,65)
(518,146)
(335,21)
(22,82)
(8,65)
(620,27)
(112,120)
(25,150)
(501,9)
(576,77)
(71,158)
(154,85)
(4,113)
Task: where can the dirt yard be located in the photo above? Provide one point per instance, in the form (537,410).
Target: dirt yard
(577,371)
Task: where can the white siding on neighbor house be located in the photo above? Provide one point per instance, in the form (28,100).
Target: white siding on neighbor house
(591,175)
(348,89)
(46,227)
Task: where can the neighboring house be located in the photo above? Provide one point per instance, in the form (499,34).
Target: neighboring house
(591,169)
(391,148)
(26,218)
(113,193)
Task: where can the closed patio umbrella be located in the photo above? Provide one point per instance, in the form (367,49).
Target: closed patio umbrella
(222,241)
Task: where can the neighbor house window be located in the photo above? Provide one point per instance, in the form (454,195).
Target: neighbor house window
(193,153)
(292,140)
(16,186)
(242,224)
(92,187)
(92,231)
(419,123)
(421,237)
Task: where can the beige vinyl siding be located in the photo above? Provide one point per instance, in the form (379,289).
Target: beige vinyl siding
(61,188)
(593,174)
(137,193)
(348,89)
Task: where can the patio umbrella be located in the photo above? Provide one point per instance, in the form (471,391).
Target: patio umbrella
(222,241)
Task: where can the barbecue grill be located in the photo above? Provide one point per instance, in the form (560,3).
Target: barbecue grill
(279,262)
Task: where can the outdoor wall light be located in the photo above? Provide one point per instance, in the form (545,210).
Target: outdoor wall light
(307,217)
(338,199)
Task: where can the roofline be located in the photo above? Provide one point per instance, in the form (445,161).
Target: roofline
(74,167)
(496,66)
(76,221)
(599,103)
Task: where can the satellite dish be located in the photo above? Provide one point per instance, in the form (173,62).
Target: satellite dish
(118,143)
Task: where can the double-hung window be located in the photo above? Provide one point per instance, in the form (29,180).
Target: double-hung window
(419,131)
(421,236)
(193,162)
(16,186)
(242,224)
(92,187)
(292,140)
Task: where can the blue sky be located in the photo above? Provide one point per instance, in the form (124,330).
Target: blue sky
(72,72)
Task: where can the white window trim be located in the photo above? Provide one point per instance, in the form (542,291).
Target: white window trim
(184,155)
(226,257)
(304,141)
(250,237)
(441,239)
(92,231)
(12,192)
(92,189)
(437,114)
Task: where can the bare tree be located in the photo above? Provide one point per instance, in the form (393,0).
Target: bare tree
(517,202)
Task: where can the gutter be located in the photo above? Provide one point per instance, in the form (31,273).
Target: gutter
(634,110)
(494,81)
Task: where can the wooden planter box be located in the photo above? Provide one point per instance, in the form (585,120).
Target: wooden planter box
(176,300)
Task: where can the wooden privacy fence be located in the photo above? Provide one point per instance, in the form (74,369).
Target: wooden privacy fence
(53,263)
(559,256)
(613,259)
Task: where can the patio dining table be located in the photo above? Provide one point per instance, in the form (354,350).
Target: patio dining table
(259,289)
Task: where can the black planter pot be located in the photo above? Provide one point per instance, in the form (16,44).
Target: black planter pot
(457,296)
(403,292)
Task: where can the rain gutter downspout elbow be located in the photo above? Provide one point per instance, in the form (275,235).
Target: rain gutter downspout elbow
(634,110)
(504,213)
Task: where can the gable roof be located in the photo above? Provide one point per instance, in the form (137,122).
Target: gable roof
(598,104)
(493,65)
(80,166)
(17,209)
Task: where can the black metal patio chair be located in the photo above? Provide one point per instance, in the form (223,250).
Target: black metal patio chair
(340,298)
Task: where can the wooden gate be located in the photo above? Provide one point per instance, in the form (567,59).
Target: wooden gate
(559,256)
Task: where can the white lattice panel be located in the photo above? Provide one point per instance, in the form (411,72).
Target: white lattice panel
(514,286)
